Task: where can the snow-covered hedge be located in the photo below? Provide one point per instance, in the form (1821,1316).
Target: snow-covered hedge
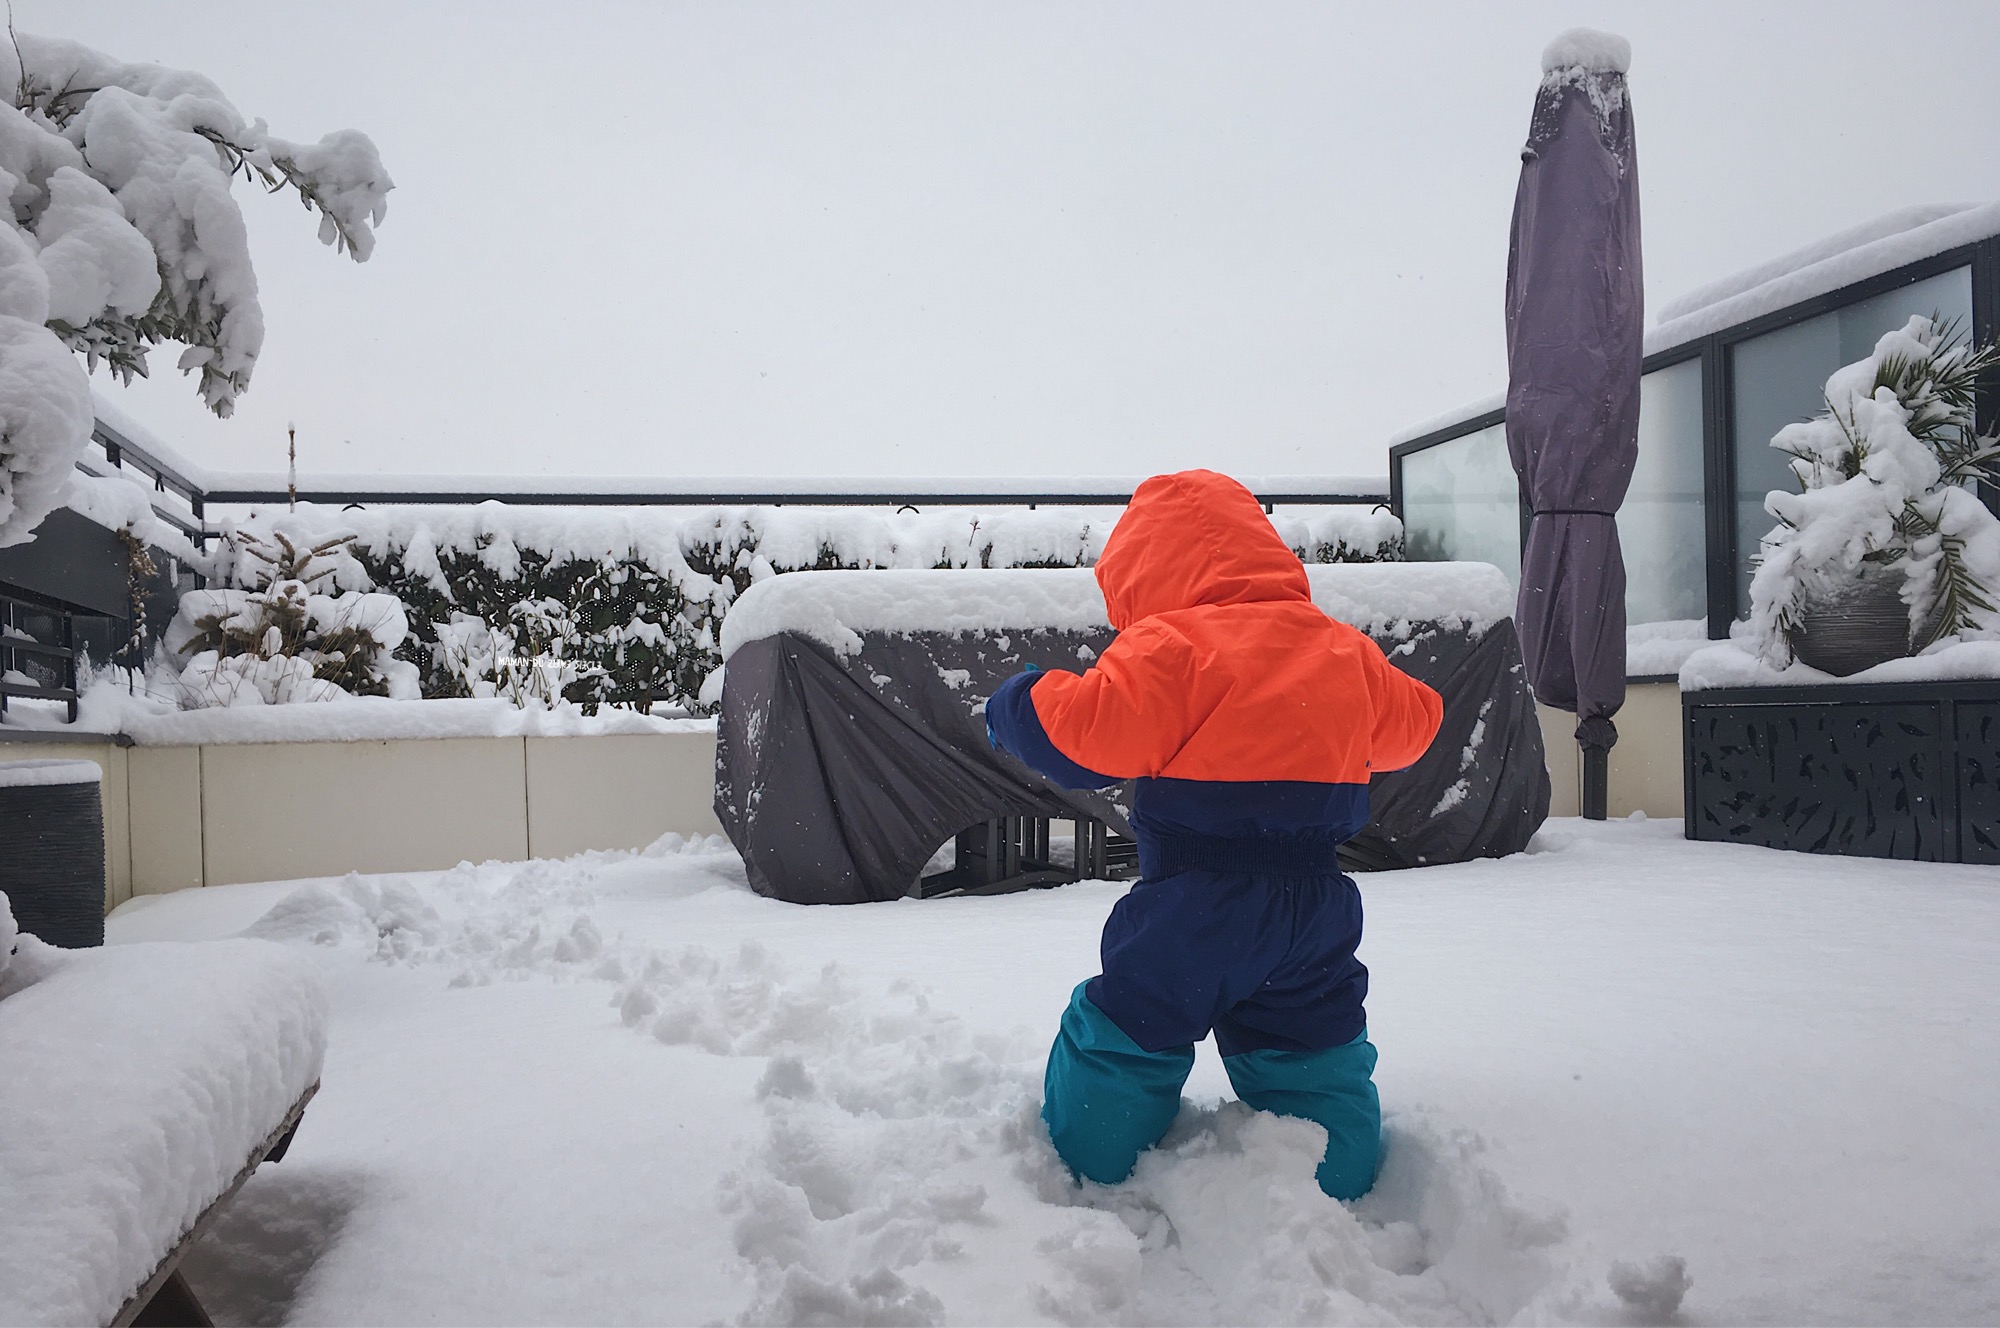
(597,605)
(122,234)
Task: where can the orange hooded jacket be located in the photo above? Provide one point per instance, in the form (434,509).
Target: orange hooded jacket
(1223,669)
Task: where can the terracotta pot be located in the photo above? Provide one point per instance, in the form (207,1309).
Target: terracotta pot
(1856,623)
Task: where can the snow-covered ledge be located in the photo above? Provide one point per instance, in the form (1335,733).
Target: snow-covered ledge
(834,608)
(1730,664)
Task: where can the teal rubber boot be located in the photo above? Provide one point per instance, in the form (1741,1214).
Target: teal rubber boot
(1105,1098)
(1334,1087)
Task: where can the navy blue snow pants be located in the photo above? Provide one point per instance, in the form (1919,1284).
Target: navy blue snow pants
(1264,962)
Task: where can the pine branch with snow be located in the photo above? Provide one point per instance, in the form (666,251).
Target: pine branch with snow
(123,234)
(284,638)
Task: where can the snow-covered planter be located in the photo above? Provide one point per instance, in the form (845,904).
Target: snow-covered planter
(283,639)
(122,234)
(1887,550)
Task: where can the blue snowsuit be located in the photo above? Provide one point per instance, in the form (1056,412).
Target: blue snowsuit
(1251,722)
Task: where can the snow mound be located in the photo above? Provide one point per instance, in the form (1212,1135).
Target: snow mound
(1652,1291)
(388,914)
(1587,48)
(137,1081)
(1392,598)
(835,608)
(898,1143)
(488,922)
(1659,649)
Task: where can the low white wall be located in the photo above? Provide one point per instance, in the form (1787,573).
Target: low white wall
(165,816)
(1644,773)
(274,811)
(621,791)
(225,813)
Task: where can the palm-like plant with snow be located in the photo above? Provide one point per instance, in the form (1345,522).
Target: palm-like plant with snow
(1887,502)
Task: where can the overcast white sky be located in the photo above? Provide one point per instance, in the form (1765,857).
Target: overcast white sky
(862,239)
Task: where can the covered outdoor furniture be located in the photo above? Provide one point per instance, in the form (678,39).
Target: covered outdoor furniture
(852,744)
(140,1085)
(846,759)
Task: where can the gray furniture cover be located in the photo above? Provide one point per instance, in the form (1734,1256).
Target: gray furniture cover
(839,773)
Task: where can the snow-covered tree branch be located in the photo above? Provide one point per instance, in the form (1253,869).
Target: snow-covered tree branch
(122,233)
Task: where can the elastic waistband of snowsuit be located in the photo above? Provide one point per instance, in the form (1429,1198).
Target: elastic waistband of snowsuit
(1259,855)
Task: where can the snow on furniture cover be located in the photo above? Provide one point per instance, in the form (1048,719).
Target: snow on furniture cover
(135,1082)
(852,740)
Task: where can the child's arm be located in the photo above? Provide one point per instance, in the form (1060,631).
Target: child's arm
(1407,713)
(1124,717)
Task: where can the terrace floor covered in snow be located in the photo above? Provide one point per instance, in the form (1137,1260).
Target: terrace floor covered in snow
(623,1088)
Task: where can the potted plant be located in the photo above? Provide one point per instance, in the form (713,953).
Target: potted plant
(1887,549)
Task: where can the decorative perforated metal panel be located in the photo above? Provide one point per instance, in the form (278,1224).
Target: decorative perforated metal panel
(1889,772)
(1979,781)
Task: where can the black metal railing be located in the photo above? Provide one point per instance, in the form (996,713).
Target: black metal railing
(775,497)
(32,667)
(121,453)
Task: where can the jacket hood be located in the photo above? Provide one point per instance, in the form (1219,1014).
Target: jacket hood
(1192,538)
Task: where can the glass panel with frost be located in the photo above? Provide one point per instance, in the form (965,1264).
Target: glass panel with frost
(1660,526)
(1461,503)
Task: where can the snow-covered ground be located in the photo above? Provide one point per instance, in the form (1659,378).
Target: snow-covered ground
(623,1088)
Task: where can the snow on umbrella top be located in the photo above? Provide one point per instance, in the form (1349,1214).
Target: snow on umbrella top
(1575,319)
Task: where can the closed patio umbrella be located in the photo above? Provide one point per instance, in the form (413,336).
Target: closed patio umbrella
(1575,314)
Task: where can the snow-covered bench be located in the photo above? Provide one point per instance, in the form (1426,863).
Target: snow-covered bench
(140,1085)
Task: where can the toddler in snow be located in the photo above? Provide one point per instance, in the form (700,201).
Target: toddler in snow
(1252,722)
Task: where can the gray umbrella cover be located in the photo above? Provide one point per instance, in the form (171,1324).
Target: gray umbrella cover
(1575,321)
